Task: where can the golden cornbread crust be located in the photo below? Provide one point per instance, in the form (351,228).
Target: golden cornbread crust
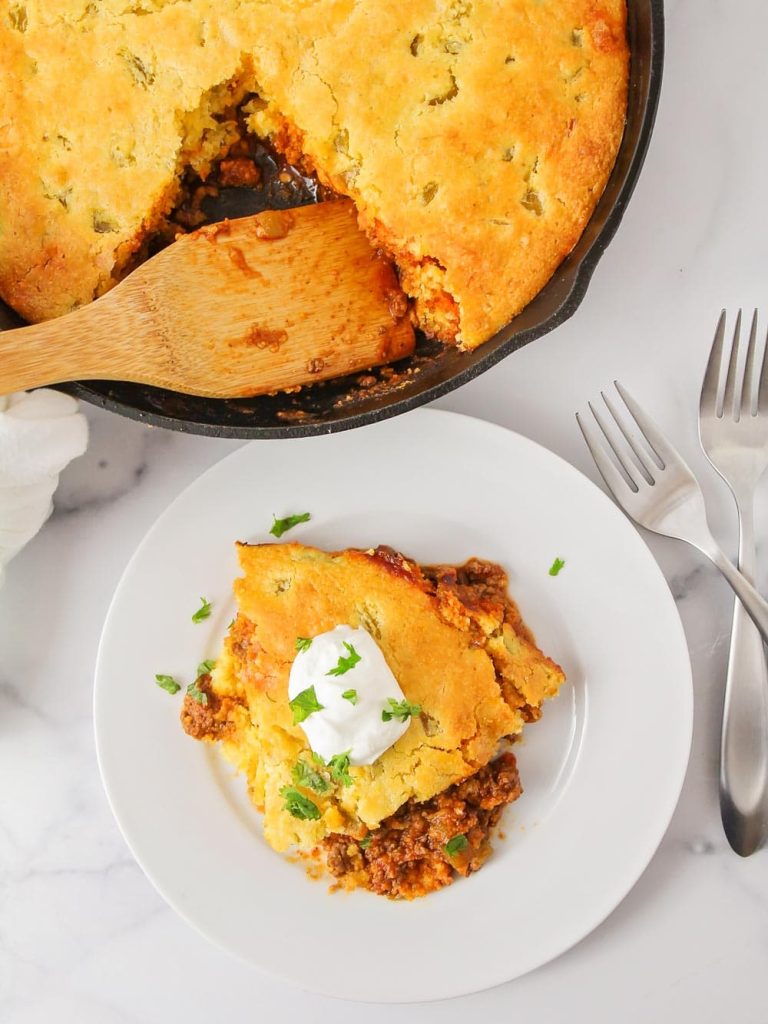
(474,137)
(452,637)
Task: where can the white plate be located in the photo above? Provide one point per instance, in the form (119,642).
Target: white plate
(602,770)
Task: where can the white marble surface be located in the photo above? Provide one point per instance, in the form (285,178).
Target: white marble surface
(84,939)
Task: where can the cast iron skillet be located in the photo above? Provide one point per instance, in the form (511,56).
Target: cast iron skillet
(433,370)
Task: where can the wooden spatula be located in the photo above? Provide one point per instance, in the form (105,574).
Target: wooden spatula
(238,308)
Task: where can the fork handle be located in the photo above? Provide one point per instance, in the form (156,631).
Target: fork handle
(754,605)
(744,737)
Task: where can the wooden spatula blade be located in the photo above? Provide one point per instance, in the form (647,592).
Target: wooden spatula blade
(240,308)
(296,296)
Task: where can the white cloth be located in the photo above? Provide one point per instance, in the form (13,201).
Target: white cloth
(40,432)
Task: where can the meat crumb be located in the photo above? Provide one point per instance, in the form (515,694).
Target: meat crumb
(240,172)
(209,720)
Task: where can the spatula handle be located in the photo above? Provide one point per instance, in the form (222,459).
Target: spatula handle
(72,347)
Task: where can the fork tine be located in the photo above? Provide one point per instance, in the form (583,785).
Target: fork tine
(614,447)
(641,458)
(614,481)
(711,383)
(762,389)
(656,440)
(748,384)
(730,398)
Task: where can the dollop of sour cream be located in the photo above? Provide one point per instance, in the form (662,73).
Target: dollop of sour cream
(344,724)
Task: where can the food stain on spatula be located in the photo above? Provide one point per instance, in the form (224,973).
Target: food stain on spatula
(243,307)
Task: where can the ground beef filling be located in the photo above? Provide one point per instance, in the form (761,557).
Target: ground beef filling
(205,715)
(406,856)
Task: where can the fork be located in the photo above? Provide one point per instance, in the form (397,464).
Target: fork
(733,428)
(653,485)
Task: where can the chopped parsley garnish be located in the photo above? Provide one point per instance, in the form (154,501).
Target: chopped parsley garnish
(281,526)
(339,765)
(203,612)
(317,758)
(167,683)
(307,777)
(345,662)
(365,842)
(351,696)
(298,805)
(305,704)
(205,667)
(231,623)
(456,845)
(556,566)
(400,709)
(303,643)
(197,694)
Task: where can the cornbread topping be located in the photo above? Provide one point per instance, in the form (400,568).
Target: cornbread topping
(470,674)
(475,138)
(352,686)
